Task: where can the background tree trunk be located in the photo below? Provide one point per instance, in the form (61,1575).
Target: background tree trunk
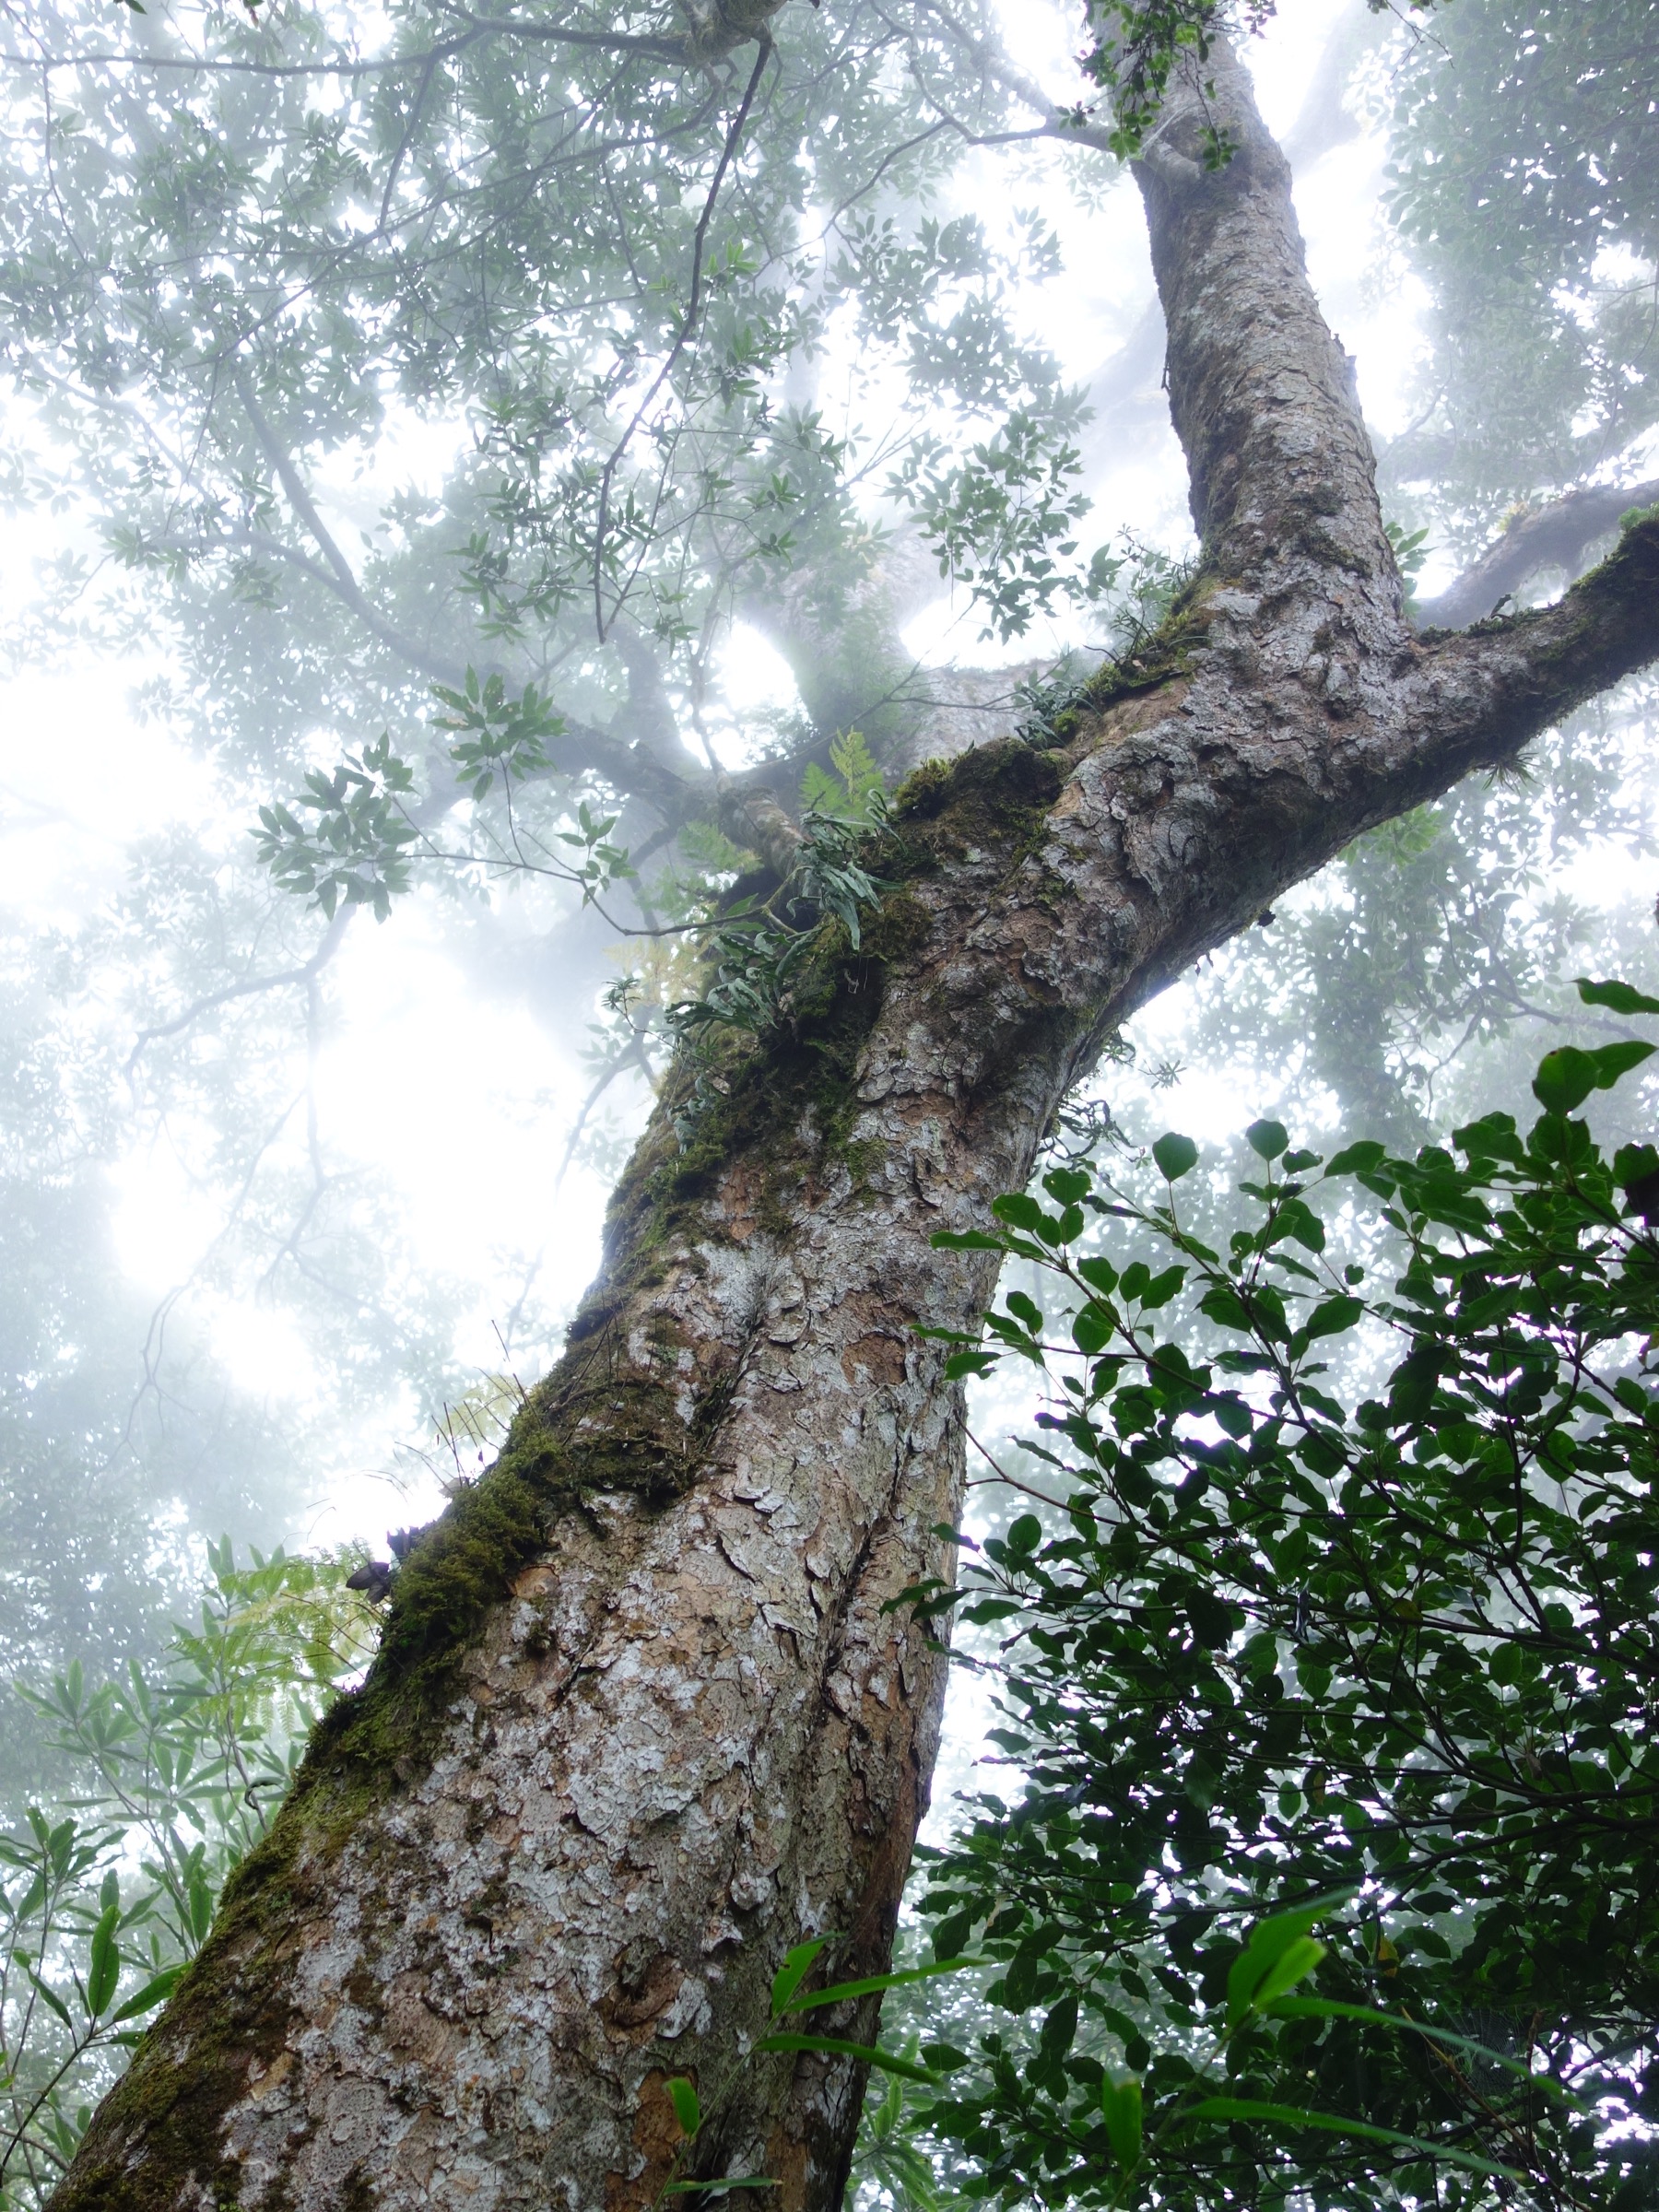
(641,1720)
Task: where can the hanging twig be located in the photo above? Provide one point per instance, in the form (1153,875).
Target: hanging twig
(682,337)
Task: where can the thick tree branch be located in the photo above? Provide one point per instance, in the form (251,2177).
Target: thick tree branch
(1263,396)
(1553,536)
(752,817)
(1512,679)
(1323,122)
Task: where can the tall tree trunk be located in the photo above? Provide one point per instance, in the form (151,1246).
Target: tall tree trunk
(642,1719)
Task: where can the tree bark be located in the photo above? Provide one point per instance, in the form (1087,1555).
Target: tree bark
(642,1720)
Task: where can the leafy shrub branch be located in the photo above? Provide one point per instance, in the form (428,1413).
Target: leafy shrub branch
(365,825)
(177,1769)
(1272,1646)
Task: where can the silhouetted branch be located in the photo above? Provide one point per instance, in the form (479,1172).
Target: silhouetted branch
(1541,538)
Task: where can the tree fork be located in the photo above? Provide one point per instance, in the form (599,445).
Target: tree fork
(640,1720)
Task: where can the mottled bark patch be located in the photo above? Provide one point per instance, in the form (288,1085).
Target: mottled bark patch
(658,2141)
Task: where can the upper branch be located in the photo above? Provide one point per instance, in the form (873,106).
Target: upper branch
(633,768)
(306,973)
(1542,538)
(345,581)
(1502,683)
(682,337)
(1262,395)
(991,58)
(714,30)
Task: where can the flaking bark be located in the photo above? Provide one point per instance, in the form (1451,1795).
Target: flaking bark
(643,1719)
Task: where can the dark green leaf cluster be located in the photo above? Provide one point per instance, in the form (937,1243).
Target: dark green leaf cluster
(1284,1646)
(763,948)
(1003,520)
(354,851)
(499,737)
(360,848)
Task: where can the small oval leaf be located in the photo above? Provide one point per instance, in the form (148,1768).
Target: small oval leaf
(687,2110)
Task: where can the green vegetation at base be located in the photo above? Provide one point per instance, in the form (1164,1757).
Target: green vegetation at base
(176,1769)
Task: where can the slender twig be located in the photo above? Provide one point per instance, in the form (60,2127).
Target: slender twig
(682,338)
(1013,1481)
(307,974)
(304,507)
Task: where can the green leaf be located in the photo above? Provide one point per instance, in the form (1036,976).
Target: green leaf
(870,1983)
(1091,1329)
(1268,1943)
(1412,1386)
(1222,1304)
(1619,997)
(156,1990)
(1566,1076)
(1176,1156)
(1297,1219)
(719,2188)
(106,1962)
(1612,1061)
(1294,2116)
(1121,2109)
(687,2110)
(834,2046)
(1267,1140)
(961,1364)
(1293,1965)
(1067,1184)
(49,1995)
(1059,2030)
(1231,1414)
(1334,1317)
(793,1971)
(1362,1158)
